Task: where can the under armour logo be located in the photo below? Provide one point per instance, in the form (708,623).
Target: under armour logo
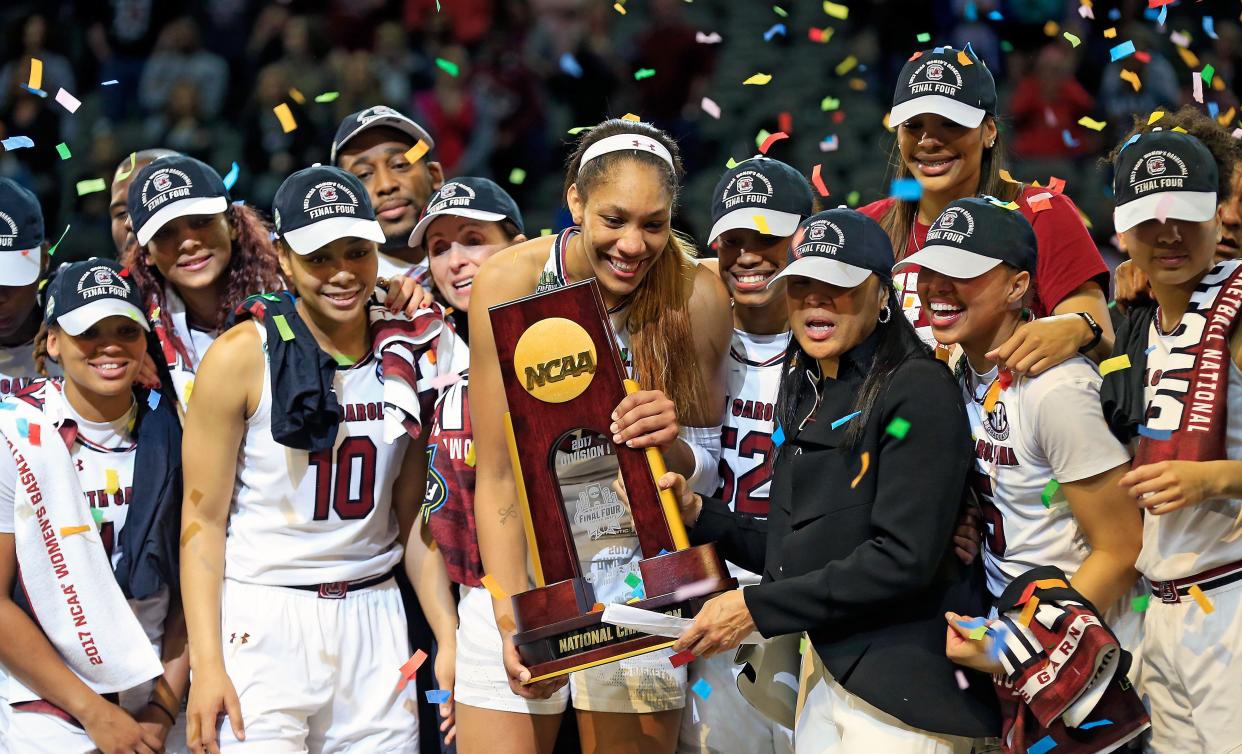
(233,637)
(639,144)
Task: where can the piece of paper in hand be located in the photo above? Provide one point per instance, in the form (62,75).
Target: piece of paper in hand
(656,624)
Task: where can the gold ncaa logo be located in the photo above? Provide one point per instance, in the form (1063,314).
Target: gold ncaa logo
(555,360)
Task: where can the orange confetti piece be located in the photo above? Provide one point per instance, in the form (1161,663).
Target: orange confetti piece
(963,58)
(1028,612)
(35,435)
(297,96)
(190,532)
(993,395)
(1202,599)
(817,180)
(506,624)
(1111,32)
(285,116)
(493,587)
(1189,58)
(866,462)
(772,139)
(69,531)
(1008,178)
(416,152)
(1133,78)
(36,74)
(410,668)
(631,117)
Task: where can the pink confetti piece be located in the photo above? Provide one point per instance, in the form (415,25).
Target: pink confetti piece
(441,381)
(1196,82)
(68,101)
(710,107)
(707,39)
(962,683)
(1162,208)
(695,589)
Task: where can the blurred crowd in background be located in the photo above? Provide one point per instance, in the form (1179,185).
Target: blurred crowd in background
(500,84)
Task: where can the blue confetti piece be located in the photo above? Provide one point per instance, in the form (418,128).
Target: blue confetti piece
(778,437)
(109,82)
(1114,14)
(36,92)
(1151,14)
(1068,138)
(1096,723)
(1209,26)
(1041,746)
(845,419)
(231,178)
(906,189)
(1150,349)
(1123,50)
(570,66)
(776,29)
(1000,635)
(23,427)
(1213,108)
(1163,15)
(1154,434)
(971,625)
(6,406)
(663,551)
(972,12)
(438,696)
(17,142)
(702,688)
(996,16)
(1130,141)
(153,399)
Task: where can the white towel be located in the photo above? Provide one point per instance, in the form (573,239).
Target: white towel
(408,361)
(65,571)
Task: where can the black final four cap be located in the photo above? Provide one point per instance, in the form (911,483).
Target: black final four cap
(840,247)
(945,81)
(1164,175)
(760,187)
(476,198)
(973,235)
(21,235)
(318,205)
(83,293)
(172,187)
(374,117)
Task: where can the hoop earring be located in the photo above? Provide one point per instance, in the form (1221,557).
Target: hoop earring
(886,314)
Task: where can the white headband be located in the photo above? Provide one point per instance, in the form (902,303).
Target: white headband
(618,142)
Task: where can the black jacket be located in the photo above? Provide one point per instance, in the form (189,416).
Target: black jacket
(869,570)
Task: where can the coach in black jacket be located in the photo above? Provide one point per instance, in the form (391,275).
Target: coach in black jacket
(857,548)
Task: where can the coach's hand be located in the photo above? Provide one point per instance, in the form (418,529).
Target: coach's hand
(115,732)
(720,626)
(645,419)
(519,675)
(211,695)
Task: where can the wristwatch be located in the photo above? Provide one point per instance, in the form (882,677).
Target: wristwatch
(1097,332)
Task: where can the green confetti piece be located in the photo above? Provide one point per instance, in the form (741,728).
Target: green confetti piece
(1207,73)
(761,137)
(828,104)
(448,67)
(52,250)
(802,646)
(91,186)
(579,129)
(1006,46)
(286,332)
(778,10)
(643,73)
(924,37)
(853,198)
(1139,604)
(898,427)
(545,231)
(732,163)
(63,150)
(327,97)
(1050,490)
(97,515)
(978,633)
(517,176)
(633,580)
(341,358)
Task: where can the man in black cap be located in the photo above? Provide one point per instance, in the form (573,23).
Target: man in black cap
(23,257)
(382,148)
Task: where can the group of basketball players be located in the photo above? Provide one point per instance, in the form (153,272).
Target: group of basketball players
(230,443)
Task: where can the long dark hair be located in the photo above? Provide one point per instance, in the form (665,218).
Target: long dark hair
(896,343)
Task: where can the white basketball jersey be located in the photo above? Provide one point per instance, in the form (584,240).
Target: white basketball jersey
(1019,447)
(301,518)
(1200,537)
(17,369)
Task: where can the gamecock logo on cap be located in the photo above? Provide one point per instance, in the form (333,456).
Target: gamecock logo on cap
(327,193)
(935,71)
(1155,165)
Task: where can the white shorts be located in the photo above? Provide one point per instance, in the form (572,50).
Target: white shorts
(1192,672)
(32,732)
(318,675)
(716,724)
(834,721)
(646,683)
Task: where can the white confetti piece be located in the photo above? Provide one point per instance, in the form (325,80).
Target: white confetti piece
(707,39)
(68,101)
(710,107)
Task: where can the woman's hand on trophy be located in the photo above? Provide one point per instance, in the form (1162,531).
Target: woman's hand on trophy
(645,419)
(519,674)
(720,626)
(688,502)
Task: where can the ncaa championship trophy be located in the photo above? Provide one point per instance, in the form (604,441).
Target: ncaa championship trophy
(563,377)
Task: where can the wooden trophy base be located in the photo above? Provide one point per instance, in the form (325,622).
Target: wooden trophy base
(558,633)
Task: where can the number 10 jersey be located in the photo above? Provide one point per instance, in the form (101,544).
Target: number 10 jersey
(300,518)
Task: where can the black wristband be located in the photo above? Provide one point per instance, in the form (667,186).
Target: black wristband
(1096,331)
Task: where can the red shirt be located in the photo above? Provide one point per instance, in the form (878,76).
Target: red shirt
(1068,257)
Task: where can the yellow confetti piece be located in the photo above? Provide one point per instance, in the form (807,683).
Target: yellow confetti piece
(759,79)
(836,10)
(297,96)
(1072,38)
(1028,612)
(69,531)
(618,7)
(866,461)
(113,484)
(493,587)
(416,152)
(993,395)
(1157,115)
(847,65)
(1133,78)
(285,116)
(36,74)
(190,532)
(1180,130)
(1227,117)
(632,117)
(977,634)
(963,58)
(1051,28)
(1202,599)
(1008,178)
(189,389)
(1189,58)
(1092,123)
(1110,32)
(470,459)
(1115,364)
(762,225)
